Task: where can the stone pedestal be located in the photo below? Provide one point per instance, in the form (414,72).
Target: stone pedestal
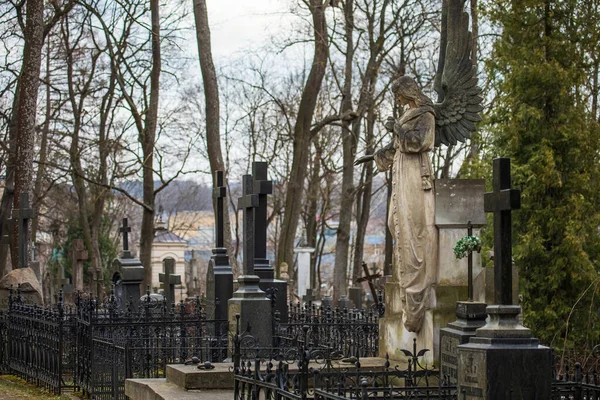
(267,282)
(356,294)
(502,361)
(128,276)
(458,202)
(304,278)
(219,284)
(470,316)
(344,303)
(255,311)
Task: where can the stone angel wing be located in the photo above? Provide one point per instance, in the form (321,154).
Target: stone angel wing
(459,101)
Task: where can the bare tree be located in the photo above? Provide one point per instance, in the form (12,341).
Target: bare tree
(302,134)
(211,93)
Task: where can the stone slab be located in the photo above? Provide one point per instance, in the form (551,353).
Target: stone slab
(452,271)
(160,389)
(190,377)
(458,201)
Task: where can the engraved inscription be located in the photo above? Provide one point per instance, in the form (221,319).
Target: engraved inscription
(449,358)
(472,374)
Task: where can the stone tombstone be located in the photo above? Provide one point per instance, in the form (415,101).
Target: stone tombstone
(169,279)
(304,278)
(31,290)
(219,278)
(469,317)
(457,202)
(503,360)
(263,187)
(78,256)
(355,295)
(127,271)
(249,300)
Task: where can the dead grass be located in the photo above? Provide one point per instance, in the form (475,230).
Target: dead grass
(13,388)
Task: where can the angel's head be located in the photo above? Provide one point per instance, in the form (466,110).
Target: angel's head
(406,90)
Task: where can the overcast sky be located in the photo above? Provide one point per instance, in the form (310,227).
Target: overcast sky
(238,25)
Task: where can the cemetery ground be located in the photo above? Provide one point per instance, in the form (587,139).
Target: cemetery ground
(13,388)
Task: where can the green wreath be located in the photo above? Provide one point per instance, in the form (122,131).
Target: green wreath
(466,246)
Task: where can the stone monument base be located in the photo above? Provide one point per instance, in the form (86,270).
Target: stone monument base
(503,361)
(393,337)
(254,309)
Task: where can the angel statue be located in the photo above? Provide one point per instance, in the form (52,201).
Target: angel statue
(423,125)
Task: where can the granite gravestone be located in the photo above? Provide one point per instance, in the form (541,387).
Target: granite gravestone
(219,278)
(497,362)
(262,267)
(249,300)
(128,272)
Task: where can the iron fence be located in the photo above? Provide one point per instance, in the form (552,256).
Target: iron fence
(350,333)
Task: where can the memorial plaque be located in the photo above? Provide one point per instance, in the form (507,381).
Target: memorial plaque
(449,357)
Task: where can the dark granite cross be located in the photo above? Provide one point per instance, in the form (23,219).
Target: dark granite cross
(169,279)
(308,297)
(248,203)
(125,229)
(501,201)
(262,188)
(370,278)
(219,194)
(24,214)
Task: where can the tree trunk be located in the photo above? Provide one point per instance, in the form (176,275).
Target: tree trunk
(340,278)
(363,209)
(29,82)
(302,137)
(312,211)
(148,137)
(211,94)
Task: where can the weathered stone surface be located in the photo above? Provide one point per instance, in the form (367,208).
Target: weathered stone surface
(458,201)
(160,389)
(190,377)
(31,290)
(254,308)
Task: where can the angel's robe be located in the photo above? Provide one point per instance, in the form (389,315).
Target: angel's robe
(412,211)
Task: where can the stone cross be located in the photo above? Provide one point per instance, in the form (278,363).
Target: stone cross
(78,256)
(308,297)
(262,188)
(501,201)
(219,194)
(248,203)
(370,278)
(169,279)
(24,214)
(125,229)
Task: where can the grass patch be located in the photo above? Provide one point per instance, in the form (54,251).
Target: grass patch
(13,388)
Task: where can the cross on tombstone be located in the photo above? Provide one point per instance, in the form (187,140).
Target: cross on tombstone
(501,202)
(23,215)
(219,194)
(308,297)
(169,279)
(262,188)
(248,203)
(125,229)
(370,278)
(63,279)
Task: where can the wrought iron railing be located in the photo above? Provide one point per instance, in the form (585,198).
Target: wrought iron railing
(350,333)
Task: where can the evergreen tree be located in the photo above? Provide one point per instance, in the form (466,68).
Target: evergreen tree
(541,119)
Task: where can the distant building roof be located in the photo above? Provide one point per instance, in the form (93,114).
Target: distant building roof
(163,235)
